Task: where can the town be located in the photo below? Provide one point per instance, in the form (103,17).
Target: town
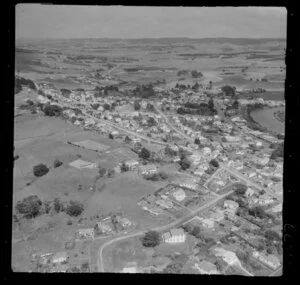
(127,164)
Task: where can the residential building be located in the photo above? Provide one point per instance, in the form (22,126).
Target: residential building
(60,257)
(208,223)
(175,236)
(270,260)
(132,164)
(86,233)
(148,169)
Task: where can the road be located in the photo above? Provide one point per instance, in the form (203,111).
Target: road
(161,228)
(119,128)
(171,126)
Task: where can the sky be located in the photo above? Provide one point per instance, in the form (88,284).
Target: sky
(64,21)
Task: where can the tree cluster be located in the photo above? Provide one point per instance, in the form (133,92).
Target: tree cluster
(156,176)
(52,110)
(151,239)
(29,207)
(40,170)
(229,90)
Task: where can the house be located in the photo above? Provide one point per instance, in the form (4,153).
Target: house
(249,192)
(179,195)
(148,169)
(60,257)
(206,267)
(208,223)
(231,206)
(175,236)
(132,164)
(227,255)
(131,268)
(86,233)
(270,260)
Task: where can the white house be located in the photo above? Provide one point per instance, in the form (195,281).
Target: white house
(174,236)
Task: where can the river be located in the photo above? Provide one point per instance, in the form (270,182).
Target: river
(265,117)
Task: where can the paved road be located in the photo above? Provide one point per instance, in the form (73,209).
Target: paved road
(161,228)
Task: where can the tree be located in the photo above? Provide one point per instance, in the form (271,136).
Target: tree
(127,139)
(197,141)
(151,239)
(102,171)
(196,231)
(40,170)
(235,104)
(124,167)
(144,153)
(57,205)
(210,104)
(57,163)
(258,211)
(30,206)
(106,107)
(184,163)
(169,151)
(110,173)
(214,163)
(240,189)
(196,74)
(75,208)
(228,90)
(137,106)
(151,122)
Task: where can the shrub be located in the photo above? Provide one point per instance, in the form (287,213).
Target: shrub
(57,163)
(75,208)
(30,206)
(151,239)
(40,170)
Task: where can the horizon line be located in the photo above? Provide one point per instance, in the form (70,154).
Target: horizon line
(149,38)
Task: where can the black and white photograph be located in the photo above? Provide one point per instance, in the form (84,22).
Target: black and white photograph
(148,139)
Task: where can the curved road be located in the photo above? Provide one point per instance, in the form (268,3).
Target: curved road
(161,228)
